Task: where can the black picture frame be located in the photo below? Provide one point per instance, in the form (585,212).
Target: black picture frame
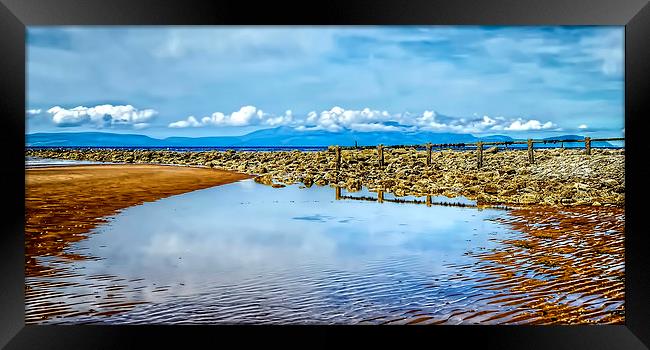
(15,15)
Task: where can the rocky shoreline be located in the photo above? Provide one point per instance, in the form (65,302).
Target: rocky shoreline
(559,177)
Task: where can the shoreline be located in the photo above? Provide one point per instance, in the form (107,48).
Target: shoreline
(64,203)
(559,177)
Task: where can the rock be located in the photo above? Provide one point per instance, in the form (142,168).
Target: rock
(610,182)
(264,179)
(278,185)
(508,192)
(581,186)
(308,181)
(490,189)
(491,150)
(560,177)
(567,201)
(353,185)
(596,204)
(529,198)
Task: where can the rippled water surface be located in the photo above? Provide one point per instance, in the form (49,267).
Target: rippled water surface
(249,253)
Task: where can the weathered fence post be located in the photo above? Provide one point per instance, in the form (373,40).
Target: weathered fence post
(338,158)
(479,147)
(380,196)
(380,154)
(531,155)
(428,200)
(588,145)
(338,192)
(429,154)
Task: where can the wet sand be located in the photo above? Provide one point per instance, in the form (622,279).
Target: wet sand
(64,203)
(566,267)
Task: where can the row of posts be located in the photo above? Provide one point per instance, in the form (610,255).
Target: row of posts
(479,147)
(380,196)
(380,155)
(531,153)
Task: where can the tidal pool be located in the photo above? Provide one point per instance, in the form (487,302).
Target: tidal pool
(249,253)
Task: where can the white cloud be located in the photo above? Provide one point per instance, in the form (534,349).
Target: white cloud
(583,126)
(245,116)
(102,116)
(337,119)
(520,125)
(190,122)
(33,111)
(373,127)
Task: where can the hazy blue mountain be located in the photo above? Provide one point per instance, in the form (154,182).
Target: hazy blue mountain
(578,137)
(88,139)
(496,138)
(281,136)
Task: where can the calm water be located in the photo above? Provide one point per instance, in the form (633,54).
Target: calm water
(249,253)
(34,162)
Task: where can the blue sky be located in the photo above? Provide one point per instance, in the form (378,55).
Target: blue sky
(204,81)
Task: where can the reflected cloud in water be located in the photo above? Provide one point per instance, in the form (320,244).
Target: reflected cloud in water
(285,246)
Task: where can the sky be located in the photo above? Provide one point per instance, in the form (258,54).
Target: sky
(212,81)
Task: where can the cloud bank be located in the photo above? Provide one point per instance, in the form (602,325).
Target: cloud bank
(102,116)
(245,116)
(365,120)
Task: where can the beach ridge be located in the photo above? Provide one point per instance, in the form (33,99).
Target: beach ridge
(558,177)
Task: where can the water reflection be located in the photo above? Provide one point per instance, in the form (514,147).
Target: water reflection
(246,252)
(429,200)
(34,162)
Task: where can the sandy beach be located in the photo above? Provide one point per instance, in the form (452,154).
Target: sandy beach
(64,203)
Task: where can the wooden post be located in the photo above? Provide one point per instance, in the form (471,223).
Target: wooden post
(429,154)
(479,147)
(531,155)
(380,155)
(588,145)
(338,192)
(338,158)
(428,200)
(380,196)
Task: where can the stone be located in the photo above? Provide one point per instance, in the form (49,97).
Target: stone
(490,189)
(581,186)
(508,192)
(529,198)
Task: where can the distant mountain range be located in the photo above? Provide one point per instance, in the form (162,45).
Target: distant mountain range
(281,136)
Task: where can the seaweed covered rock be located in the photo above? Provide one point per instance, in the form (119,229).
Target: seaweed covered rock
(558,177)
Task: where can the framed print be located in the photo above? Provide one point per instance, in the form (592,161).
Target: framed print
(473,174)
